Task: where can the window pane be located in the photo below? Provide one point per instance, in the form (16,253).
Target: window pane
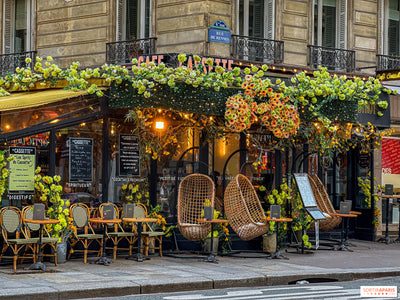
(329,26)
(20,26)
(256,18)
(393,28)
(241,17)
(132,20)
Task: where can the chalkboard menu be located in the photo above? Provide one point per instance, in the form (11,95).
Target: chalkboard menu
(307,196)
(80,159)
(129,155)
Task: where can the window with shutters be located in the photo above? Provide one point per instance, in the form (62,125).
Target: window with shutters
(256,18)
(393,43)
(134,19)
(330,23)
(17,24)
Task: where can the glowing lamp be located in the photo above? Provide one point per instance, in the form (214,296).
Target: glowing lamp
(160,125)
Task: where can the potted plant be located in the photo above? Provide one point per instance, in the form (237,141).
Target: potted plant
(301,220)
(49,191)
(220,233)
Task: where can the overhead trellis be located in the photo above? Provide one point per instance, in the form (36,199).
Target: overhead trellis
(182,97)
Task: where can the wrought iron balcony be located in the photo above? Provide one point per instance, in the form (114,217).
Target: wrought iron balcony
(387,63)
(332,58)
(9,62)
(256,49)
(123,52)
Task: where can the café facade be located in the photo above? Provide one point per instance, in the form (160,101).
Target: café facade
(88,141)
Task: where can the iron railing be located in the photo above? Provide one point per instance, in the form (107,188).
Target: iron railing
(256,49)
(332,58)
(9,62)
(123,52)
(387,63)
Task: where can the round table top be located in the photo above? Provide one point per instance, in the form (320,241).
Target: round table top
(217,221)
(104,221)
(344,215)
(142,220)
(352,212)
(279,220)
(44,221)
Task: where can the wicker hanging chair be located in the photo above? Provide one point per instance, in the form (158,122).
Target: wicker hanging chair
(324,204)
(193,190)
(243,209)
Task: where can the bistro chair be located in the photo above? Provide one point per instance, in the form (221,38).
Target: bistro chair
(243,209)
(32,231)
(193,191)
(149,235)
(86,236)
(14,238)
(116,232)
(324,204)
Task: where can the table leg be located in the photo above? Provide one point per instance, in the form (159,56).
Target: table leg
(139,256)
(277,254)
(211,257)
(38,265)
(386,239)
(103,260)
(343,245)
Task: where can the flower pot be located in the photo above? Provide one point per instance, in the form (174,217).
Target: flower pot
(299,235)
(269,243)
(61,253)
(207,245)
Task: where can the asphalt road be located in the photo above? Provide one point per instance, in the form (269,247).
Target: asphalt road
(329,290)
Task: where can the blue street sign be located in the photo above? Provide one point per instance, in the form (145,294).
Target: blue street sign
(219,36)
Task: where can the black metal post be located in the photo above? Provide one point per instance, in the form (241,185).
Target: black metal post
(242,145)
(52,152)
(153,178)
(278,168)
(305,161)
(372,189)
(105,151)
(203,153)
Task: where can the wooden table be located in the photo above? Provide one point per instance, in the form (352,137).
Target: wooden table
(38,265)
(103,259)
(277,254)
(387,239)
(139,256)
(344,231)
(211,257)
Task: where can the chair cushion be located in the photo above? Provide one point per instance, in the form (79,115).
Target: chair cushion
(22,241)
(122,233)
(90,236)
(153,233)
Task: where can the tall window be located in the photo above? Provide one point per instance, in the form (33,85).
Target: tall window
(134,19)
(330,23)
(256,18)
(17,24)
(393,28)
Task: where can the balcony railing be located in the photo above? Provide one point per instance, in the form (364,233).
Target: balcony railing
(333,59)
(9,62)
(256,49)
(123,52)
(387,63)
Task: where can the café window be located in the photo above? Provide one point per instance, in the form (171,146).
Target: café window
(393,28)
(256,18)
(133,19)
(330,23)
(17,26)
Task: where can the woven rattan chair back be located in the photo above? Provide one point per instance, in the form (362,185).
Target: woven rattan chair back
(324,204)
(27,213)
(139,211)
(193,191)
(11,219)
(80,215)
(243,209)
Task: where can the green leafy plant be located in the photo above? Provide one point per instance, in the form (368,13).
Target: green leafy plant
(365,186)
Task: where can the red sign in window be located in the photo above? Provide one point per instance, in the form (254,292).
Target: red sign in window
(391,156)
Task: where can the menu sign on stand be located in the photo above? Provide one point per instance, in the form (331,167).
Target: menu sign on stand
(129,155)
(80,159)
(22,169)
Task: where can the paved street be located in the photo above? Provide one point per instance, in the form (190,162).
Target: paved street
(334,290)
(75,280)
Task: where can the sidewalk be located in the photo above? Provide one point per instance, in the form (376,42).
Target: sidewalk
(168,274)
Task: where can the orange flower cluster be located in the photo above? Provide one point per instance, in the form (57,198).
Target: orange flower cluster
(277,114)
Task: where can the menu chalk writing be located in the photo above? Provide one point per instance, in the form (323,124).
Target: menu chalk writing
(80,159)
(129,155)
(22,169)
